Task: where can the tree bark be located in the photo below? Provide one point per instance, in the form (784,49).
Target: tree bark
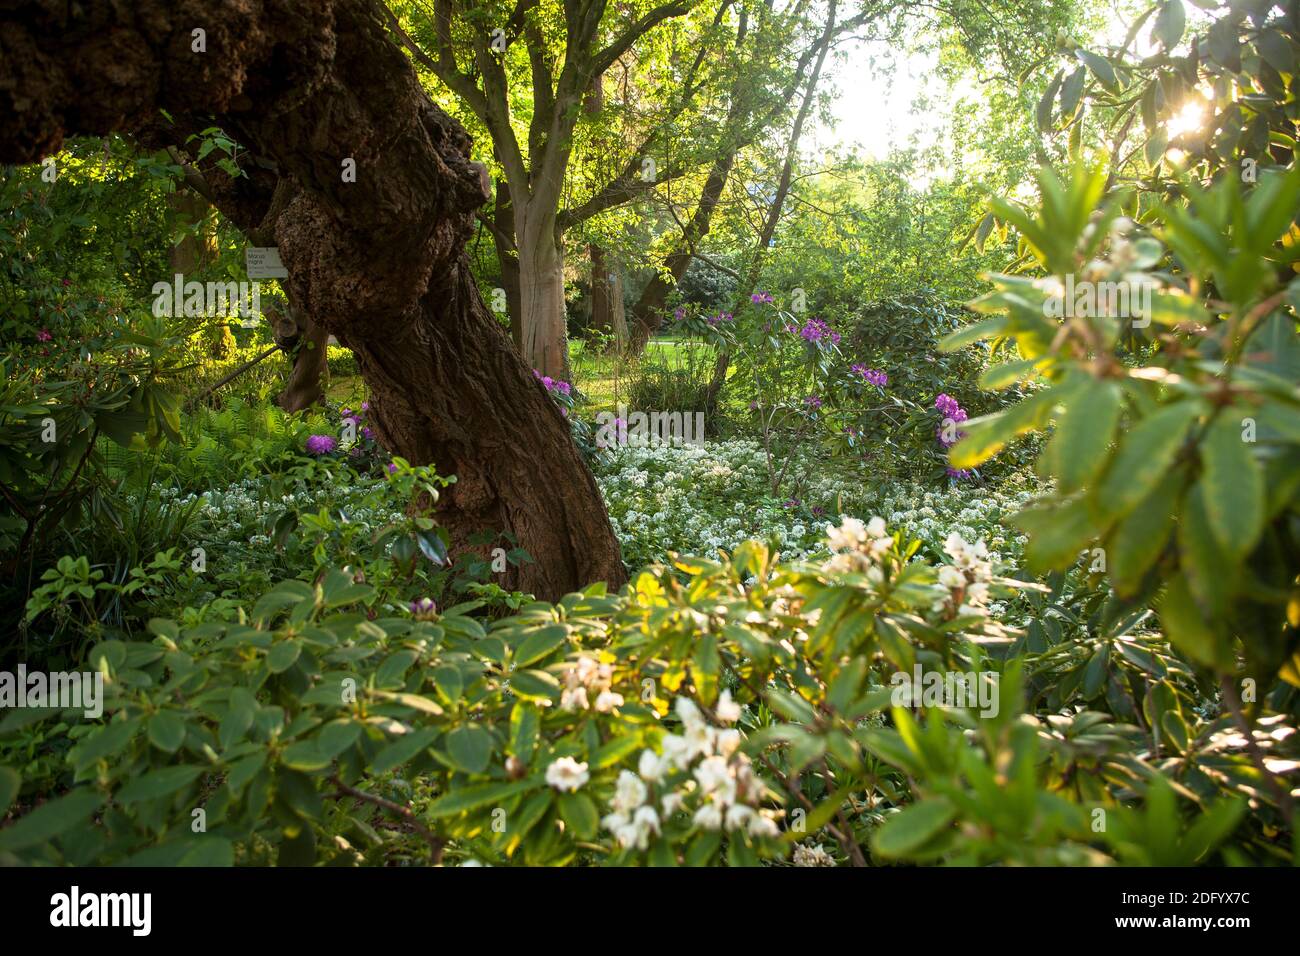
(503,237)
(307,343)
(380,261)
(541,289)
(608,315)
(194,250)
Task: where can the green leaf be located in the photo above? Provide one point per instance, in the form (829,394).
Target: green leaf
(473,797)
(1071,91)
(907,831)
(1100,68)
(20,717)
(282,655)
(611,753)
(209,851)
(470,748)
(403,749)
(1211,573)
(158,783)
(580,813)
(1234,485)
(1080,447)
(239,717)
(1057,533)
(539,643)
(525,722)
(1187,630)
(535,685)
(167,731)
(304,755)
(984,329)
(50,819)
(1146,452)
(989,434)
(1170,23)
(10,783)
(1141,537)
(449,683)
(1044,111)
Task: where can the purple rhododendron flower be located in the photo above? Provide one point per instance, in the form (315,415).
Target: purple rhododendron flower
(392,468)
(813,401)
(321,444)
(760,297)
(43,335)
(873,375)
(424,609)
(553,384)
(952,412)
(814,330)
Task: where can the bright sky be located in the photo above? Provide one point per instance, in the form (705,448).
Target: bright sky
(873,109)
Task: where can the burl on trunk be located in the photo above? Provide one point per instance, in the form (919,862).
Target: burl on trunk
(306,85)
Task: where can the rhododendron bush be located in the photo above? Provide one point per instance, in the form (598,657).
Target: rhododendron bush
(731,710)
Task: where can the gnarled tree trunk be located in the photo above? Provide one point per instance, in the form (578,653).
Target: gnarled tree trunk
(379,261)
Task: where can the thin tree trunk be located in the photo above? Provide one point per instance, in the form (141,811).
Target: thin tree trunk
(197,249)
(308,343)
(608,314)
(503,237)
(379,261)
(723,361)
(541,288)
(648,311)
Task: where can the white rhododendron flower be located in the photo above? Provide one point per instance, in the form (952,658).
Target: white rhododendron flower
(567,774)
(713,773)
(708,817)
(727,741)
(688,713)
(737,816)
(812,856)
(573,698)
(629,793)
(678,751)
(728,710)
(651,766)
(850,533)
(951,578)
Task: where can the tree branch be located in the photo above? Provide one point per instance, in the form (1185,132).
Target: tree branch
(436,843)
